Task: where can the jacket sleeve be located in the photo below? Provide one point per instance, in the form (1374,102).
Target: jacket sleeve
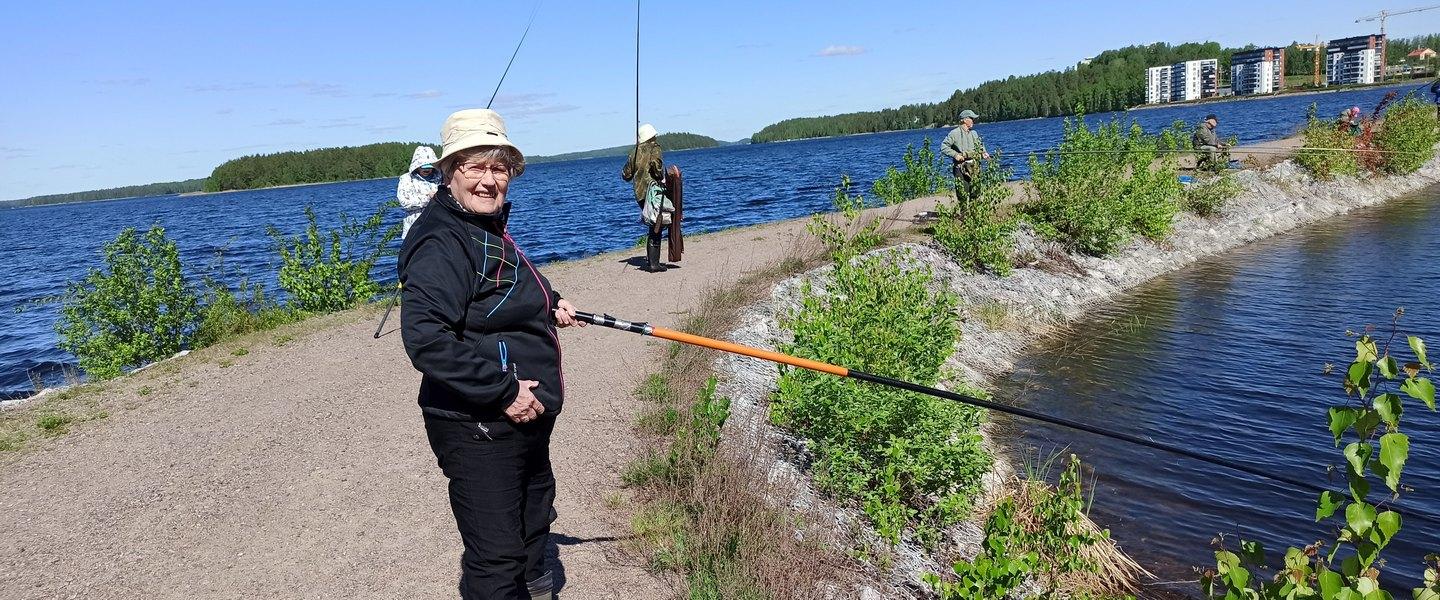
(628,171)
(947,147)
(436,283)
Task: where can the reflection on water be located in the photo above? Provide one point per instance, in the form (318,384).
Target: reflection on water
(1225,357)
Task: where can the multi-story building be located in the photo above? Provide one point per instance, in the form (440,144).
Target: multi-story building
(1259,71)
(1157,85)
(1189,80)
(1355,60)
(1194,79)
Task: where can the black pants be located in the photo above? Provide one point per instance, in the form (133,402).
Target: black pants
(964,183)
(503,495)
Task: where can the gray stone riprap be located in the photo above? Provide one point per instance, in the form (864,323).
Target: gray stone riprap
(1048,289)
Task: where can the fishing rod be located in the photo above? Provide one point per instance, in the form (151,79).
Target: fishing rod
(395,297)
(839,371)
(533,12)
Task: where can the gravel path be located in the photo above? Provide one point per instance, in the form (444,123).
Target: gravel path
(300,469)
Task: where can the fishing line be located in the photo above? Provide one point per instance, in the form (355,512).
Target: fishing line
(839,371)
(515,53)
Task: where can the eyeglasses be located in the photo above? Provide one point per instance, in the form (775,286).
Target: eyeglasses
(474,170)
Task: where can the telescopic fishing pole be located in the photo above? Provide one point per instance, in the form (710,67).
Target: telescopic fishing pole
(395,297)
(839,371)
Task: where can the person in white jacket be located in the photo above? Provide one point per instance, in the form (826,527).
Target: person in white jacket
(418,186)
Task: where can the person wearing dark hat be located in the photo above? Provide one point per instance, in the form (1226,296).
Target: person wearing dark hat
(479,323)
(965,148)
(1207,144)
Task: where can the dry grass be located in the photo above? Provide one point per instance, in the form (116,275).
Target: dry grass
(1115,573)
(703,512)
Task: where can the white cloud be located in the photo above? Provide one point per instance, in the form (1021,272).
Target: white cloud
(425,94)
(133,81)
(841,51)
(285,122)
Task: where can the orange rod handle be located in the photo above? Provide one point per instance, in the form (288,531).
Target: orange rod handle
(686,338)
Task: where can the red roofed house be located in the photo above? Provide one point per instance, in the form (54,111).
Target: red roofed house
(1421,54)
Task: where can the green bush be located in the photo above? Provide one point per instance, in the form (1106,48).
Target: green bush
(1376,451)
(922,176)
(329,271)
(851,235)
(909,459)
(972,232)
(138,310)
(228,313)
(1104,185)
(1408,135)
(1040,531)
(1330,157)
(1208,198)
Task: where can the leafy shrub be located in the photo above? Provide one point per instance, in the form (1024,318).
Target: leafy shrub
(228,313)
(922,176)
(1208,198)
(329,271)
(1408,135)
(1331,156)
(1101,186)
(850,236)
(138,310)
(1040,531)
(972,232)
(1373,384)
(909,459)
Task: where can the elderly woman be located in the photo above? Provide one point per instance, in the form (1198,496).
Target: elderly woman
(479,323)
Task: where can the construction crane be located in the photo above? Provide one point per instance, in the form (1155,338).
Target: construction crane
(1384,43)
(1390,13)
(1319,49)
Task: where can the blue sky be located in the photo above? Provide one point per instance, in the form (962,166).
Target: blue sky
(100,95)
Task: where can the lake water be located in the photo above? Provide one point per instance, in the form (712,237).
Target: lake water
(562,210)
(1226,357)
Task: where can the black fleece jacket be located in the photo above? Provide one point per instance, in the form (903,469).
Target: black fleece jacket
(475,316)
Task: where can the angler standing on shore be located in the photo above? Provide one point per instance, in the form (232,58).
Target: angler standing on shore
(965,148)
(418,186)
(646,169)
(479,321)
(1207,144)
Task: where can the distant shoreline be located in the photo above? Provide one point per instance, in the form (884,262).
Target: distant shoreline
(1246,98)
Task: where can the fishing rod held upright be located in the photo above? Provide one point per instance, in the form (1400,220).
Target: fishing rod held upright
(839,371)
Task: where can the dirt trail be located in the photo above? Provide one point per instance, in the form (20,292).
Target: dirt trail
(302,471)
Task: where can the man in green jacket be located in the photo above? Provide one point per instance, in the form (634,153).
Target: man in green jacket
(1207,145)
(646,169)
(965,148)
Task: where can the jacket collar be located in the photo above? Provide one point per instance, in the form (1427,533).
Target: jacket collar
(495,222)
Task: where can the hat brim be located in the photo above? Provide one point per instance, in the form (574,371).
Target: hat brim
(478,139)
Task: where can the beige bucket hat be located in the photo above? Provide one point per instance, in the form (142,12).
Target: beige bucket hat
(472,128)
(646,132)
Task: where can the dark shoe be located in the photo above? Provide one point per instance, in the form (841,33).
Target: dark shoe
(542,588)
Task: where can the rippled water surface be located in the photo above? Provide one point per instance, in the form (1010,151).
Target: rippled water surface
(562,210)
(1225,357)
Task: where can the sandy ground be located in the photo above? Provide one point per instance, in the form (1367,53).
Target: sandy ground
(301,470)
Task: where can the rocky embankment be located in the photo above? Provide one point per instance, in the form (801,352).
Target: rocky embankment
(1003,316)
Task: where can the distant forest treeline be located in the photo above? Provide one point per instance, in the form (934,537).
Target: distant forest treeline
(345,163)
(129,191)
(372,161)
(668,141)
(1113,80)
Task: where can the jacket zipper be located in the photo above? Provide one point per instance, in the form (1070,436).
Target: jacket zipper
(549,310)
